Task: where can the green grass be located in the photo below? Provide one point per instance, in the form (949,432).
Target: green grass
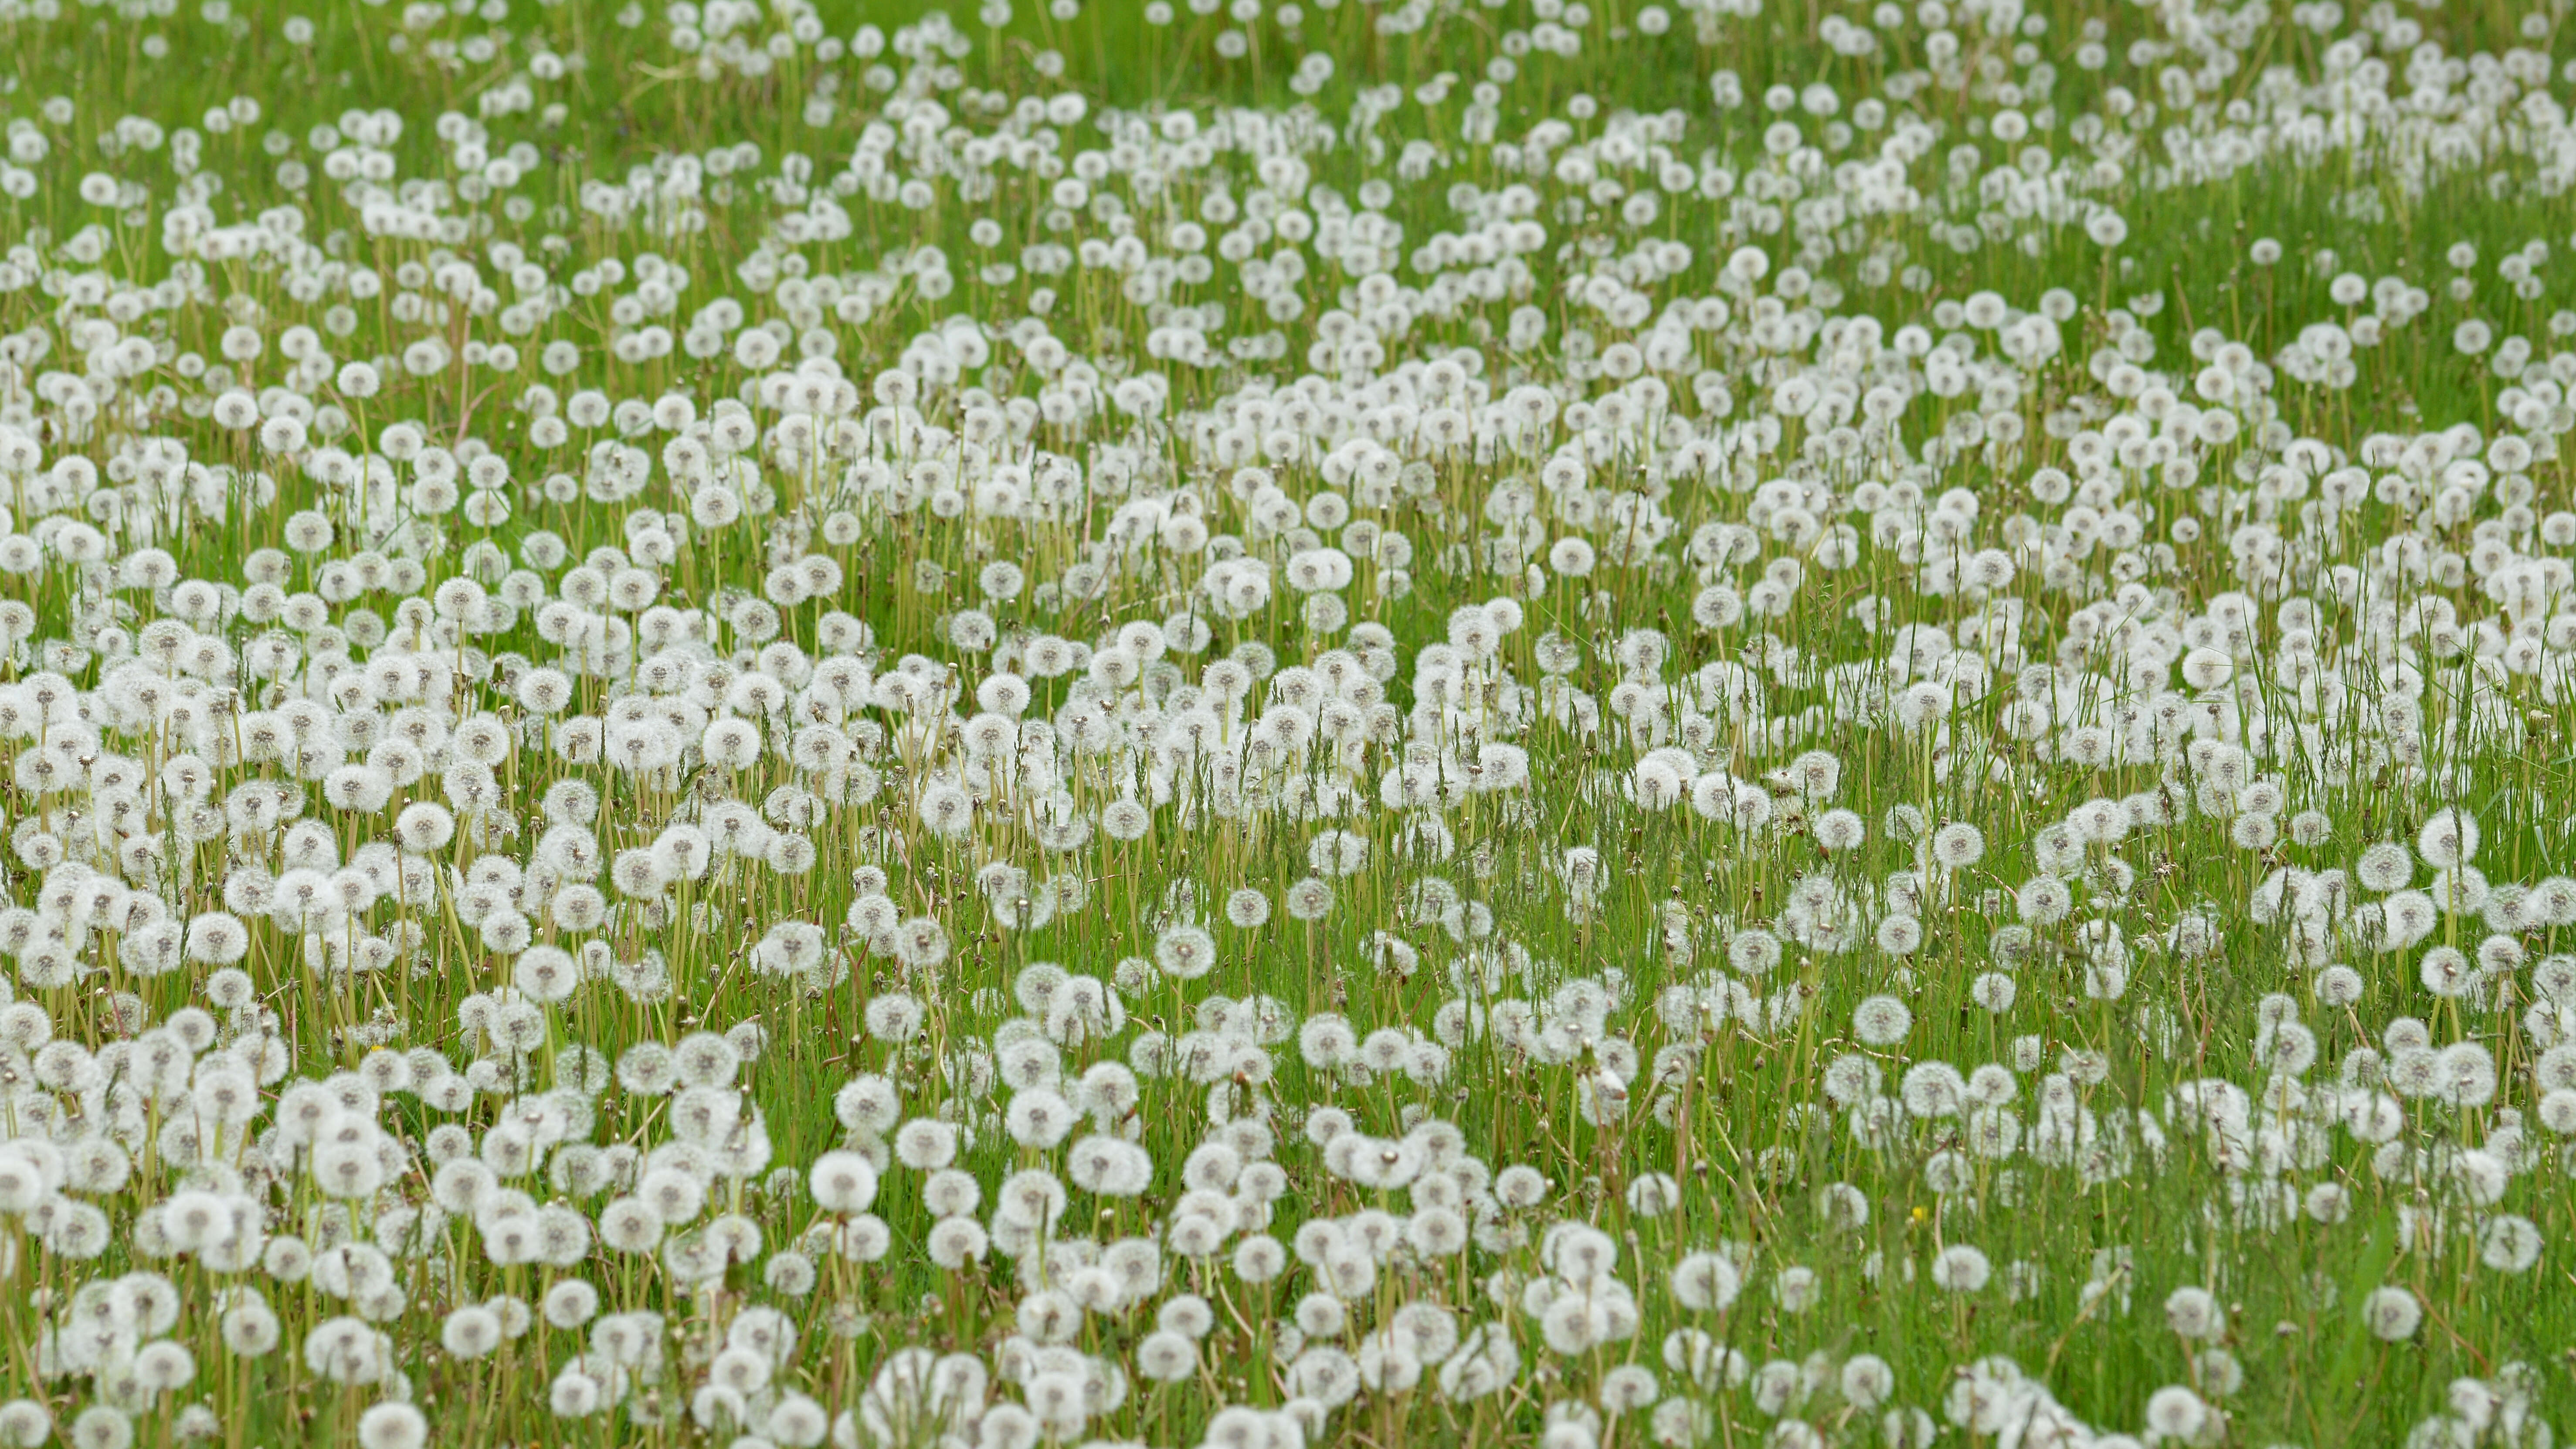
(2085,1246)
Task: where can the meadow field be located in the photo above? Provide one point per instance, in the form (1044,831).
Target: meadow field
(1287,723)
